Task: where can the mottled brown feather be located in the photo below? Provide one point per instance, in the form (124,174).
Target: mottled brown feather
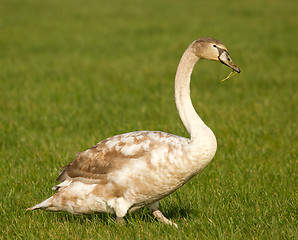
(96,162)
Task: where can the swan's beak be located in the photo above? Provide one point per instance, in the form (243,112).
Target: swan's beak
(225,58)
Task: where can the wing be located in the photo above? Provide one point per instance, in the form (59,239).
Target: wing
(106,156)
(111,154)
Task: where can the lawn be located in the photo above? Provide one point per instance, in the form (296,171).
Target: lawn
(73,73)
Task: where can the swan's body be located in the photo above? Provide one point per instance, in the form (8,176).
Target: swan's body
(132,170)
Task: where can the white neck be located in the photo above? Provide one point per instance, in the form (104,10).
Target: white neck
(191,120)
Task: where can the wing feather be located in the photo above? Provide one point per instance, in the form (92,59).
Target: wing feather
(114,152)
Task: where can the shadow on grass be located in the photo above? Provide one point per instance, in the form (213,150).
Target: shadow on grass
(82,219)
(143,215)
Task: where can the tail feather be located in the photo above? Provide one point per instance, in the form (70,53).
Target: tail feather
(48,203)
(51,203)
(61,185)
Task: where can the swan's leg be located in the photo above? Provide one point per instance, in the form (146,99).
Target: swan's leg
(120,220)
(158,214)
(121,207)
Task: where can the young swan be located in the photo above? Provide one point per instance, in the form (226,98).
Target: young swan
(125,172)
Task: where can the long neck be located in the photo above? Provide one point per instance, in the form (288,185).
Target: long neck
(191,120)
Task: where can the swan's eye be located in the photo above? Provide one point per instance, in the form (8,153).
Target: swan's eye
(214,45)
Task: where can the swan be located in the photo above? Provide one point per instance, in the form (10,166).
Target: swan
(125,172)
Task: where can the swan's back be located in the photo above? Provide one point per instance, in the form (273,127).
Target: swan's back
(122,151)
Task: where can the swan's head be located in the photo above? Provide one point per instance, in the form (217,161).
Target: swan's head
(212,49)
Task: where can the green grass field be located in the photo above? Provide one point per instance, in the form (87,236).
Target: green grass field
(75,72)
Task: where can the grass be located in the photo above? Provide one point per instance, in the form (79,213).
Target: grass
(74,73)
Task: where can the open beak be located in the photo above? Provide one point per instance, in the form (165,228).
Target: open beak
(225,58)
